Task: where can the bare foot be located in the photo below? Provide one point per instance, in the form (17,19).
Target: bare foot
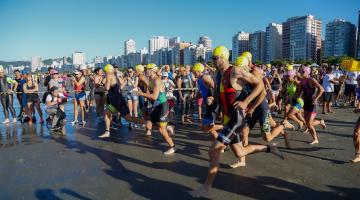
(322,123)
(148,133)
(356,159)
(238,164)
(330,111)
(314,142)
(288,125)
(202,191)
(105,135)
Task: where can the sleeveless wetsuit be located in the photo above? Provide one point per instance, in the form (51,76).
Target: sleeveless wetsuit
(115,100)
(233,119)
(160,108)
(308,94)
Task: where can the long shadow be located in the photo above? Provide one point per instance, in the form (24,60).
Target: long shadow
(140,184)
(341,122)
(47,194)
(270,187)
(317,157)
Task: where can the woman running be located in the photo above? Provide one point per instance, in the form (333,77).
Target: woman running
(311,91)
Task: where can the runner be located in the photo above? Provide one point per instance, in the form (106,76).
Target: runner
(258,110)
(160,107)
(116,102)
(233,101)
(356,140)
(206,87)
(309,86)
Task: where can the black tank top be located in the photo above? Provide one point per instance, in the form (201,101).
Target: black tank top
(275,84)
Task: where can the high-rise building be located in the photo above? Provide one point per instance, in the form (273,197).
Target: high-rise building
(157,43)
(195,53)
(36,63)
(78,58)
(65,62)
(340,37)
(144,55)
(206,41)
(179,52)
(240,43)
(273,44)
(358,37)
(173,41)
(257,45)
(302,38)
(98,59)
(129,46)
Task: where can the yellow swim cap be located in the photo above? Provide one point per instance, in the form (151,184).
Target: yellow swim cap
(222,52)
(300,101)
(198,67)
(152,66)
(108,68)
(268,65)
(242,61)
(248,55)
(289,67)
(139,68)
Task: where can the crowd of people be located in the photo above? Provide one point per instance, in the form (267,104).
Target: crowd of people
(228,99)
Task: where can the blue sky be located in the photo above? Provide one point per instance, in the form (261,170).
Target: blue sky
(51,28)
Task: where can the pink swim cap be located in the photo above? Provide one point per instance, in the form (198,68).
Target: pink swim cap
(291,73)
(306,70)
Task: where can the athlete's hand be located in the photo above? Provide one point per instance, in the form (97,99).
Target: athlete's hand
(209,100)
(250,111)
(240,105)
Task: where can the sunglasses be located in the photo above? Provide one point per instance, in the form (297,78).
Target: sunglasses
(130,71)
(215,57)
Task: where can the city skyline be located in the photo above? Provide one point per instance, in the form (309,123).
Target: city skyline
(56,29)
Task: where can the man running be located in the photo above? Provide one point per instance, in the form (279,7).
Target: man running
(234,102)
(115,100)
(206,87)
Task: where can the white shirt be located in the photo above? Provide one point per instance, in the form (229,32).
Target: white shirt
(327,85)
(337,74)
(50,98)
(351,78)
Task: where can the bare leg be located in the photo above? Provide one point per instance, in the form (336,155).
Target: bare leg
(310,124)
(108,117)
(356,140)
(82,109)
(76,112)
(214,155)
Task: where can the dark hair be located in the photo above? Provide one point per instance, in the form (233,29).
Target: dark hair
(329,68)
(54,88)
(96,70)
(130,68)
(16,70)
(115,66)
(49,69)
